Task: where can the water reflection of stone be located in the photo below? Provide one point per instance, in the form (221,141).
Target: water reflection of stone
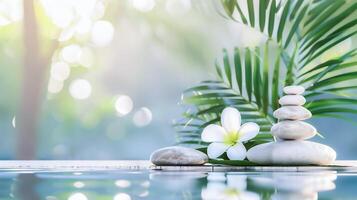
(176,185)
(297,186)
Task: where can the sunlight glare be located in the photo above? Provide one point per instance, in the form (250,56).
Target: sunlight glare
(60,71)
(60,12)
(143,5)
(10,11)
(4,21)
(84,7)
(83,26)
(99,10)
(80,89)
(142,117)
(71,53)
(13,122)
(123,105)
(102,33)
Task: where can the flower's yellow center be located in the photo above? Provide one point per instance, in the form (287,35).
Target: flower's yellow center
(231,192)
(231,138)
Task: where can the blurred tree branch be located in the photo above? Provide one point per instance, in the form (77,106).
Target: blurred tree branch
(34,73)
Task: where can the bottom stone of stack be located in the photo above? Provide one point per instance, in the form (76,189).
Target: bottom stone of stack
(292,153)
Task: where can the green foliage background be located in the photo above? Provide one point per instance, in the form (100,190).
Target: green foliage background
(299,33)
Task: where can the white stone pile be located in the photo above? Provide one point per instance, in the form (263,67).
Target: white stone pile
(291,132)
(290,116)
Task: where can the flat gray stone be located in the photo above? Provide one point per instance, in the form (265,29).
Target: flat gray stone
(292,100)
(292,113)
(178,156)
(293,152)
(294,89)
(293,130)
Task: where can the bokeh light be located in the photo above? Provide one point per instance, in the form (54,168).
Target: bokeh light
(84,25)
(123,105)
(122,183)
(143,5)
(102,33)
(71,53)
(122,196)
(60,12)
(13,122)
(80,89)
(144,194)
(142,117)
(60,71)
(54,86)
(78,196)
(10,11)
(78,184)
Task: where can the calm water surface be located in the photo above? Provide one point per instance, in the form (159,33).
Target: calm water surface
(127,185)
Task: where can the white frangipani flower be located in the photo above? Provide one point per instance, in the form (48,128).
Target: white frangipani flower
(232,187)
(230,136)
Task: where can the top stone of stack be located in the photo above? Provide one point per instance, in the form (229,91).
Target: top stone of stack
(294,90)
(291,103)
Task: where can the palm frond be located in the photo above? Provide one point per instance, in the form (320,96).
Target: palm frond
(300,33)
(243,82)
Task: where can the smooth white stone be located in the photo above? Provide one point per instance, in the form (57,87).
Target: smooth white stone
(177,156)
(293,130)
(294,89)
(293,152)
(292,100)
(292,113)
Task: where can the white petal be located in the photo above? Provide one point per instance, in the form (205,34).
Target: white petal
(249,195)
(215,150)
(248,131)
(237,152)
(213,133)
(237,181)
(231,119)
(213,192)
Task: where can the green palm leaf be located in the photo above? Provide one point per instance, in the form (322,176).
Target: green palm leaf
(251,97)
(300,33)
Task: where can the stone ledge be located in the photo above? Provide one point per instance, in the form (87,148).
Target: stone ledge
(66,165)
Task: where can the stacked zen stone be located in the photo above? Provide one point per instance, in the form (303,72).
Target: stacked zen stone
(290,116)
(291,132)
